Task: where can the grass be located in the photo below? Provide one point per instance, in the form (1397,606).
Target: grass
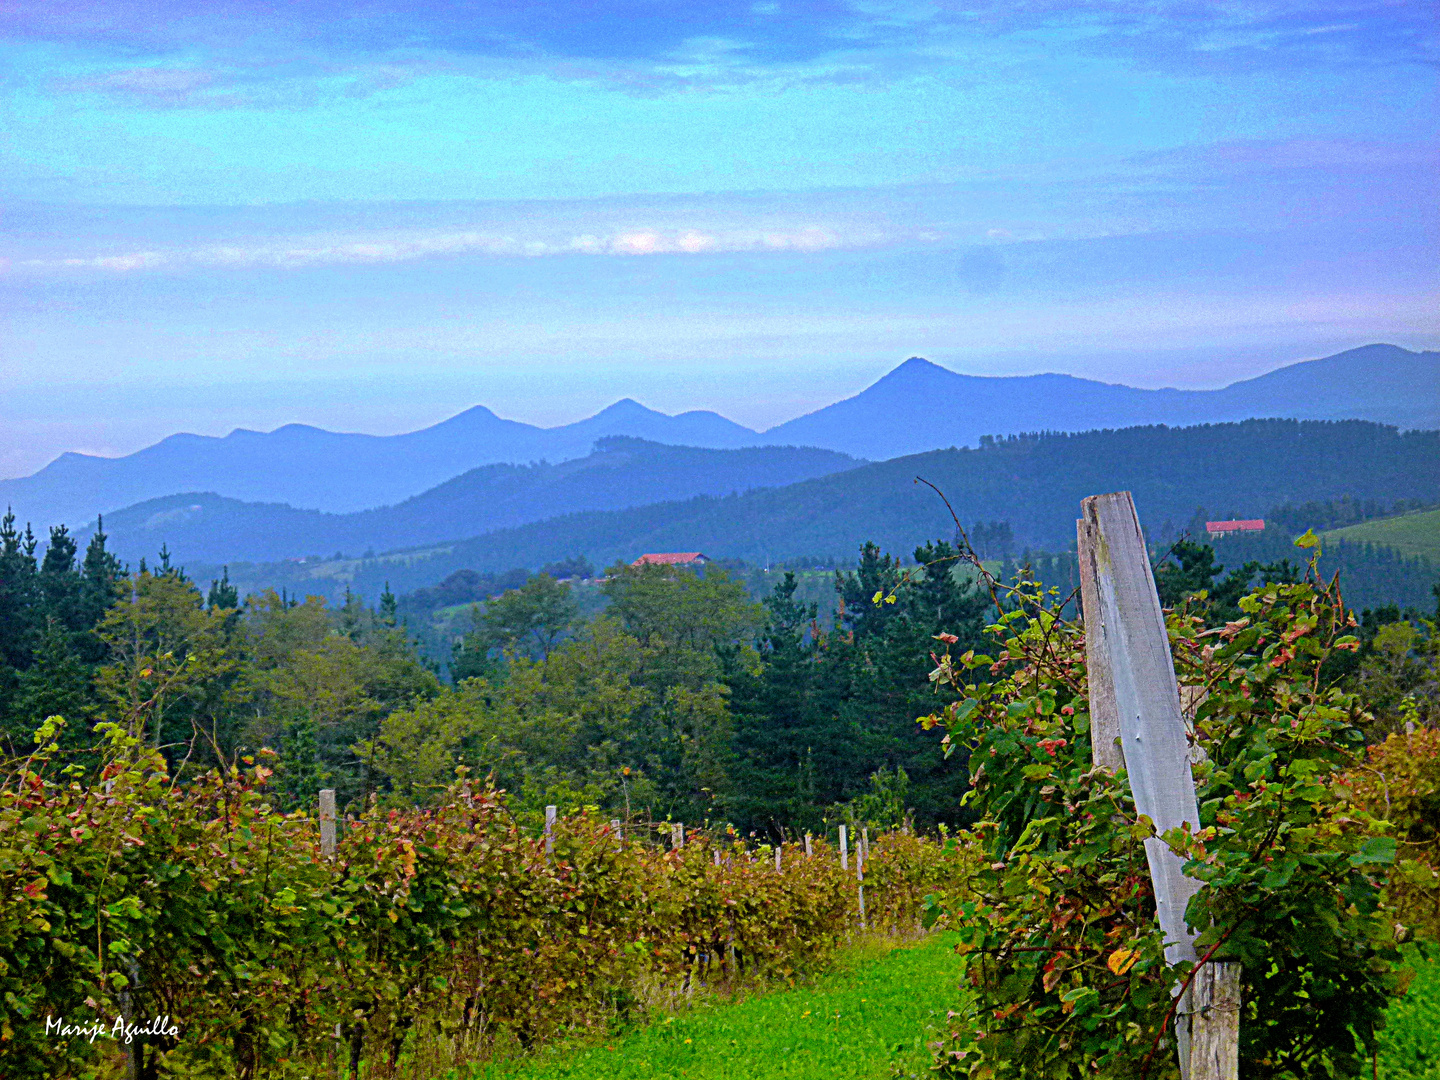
(867,1016)
(1411,1042)
(1412,534)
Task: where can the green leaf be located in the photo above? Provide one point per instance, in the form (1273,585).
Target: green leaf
(1309,540)
(1378,849)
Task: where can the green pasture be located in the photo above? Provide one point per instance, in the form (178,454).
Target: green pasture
(1412,534)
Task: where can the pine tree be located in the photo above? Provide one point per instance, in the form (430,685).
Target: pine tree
(223,596)
(57,683)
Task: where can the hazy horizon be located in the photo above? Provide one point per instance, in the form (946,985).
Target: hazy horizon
(373,219)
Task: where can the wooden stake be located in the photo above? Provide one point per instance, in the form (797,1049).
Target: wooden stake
(1215,1024)
(327,822)
(1105,751)
(550,813)
(844,850)
(808,852)
(1154,748)
(777,858)
(677,836)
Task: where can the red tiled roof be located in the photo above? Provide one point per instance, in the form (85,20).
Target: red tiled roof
(669,558)
(1252,525)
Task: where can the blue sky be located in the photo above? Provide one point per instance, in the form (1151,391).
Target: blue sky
(370,215)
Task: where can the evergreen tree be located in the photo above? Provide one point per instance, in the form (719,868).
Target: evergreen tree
(388,607)
(223,595)
(57,683)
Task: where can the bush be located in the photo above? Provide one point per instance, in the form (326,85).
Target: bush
(1400,781)
(1062,951)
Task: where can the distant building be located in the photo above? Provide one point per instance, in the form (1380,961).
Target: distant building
(1225,528)
(693,559)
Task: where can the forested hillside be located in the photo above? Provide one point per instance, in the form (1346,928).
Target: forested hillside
(621,472)
(1032,483)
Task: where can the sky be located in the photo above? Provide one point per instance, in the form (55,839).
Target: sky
(373,214)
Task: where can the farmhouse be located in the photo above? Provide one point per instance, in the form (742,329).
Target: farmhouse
(691,559)
(1225,528)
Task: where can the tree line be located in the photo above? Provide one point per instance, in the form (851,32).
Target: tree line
(682,696)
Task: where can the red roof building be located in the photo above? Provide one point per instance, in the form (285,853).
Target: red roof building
(1222,528)
(672,558)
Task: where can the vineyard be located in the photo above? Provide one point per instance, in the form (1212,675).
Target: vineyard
(428,939)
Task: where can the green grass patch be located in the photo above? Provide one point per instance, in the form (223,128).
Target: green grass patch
(1412,534)
(1410,1044)
(873,1012)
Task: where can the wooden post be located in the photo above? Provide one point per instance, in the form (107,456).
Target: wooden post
(777,858)
(1104,719)
(809,853)
(677,836)
(550,813)
(1215,1024)
(844,850)
(615,828)
(1155,751)
(327,822)
(860,873)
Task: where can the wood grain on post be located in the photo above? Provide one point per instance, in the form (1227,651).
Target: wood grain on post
(809,852)
(327,822)
(844,850)
(1135,654)
(1105,737)
(1147,700)
(550,813)
(1215,1022)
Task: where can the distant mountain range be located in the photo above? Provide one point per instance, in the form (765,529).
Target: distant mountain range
(622,472)
(921,406)
(918,406)
(1034,483)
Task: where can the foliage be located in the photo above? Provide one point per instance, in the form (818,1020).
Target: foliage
(1063,950)
(1399,780)
(436,931)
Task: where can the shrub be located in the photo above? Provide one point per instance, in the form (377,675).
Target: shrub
(1062,951)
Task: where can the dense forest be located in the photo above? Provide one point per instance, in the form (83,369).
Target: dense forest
(669,694)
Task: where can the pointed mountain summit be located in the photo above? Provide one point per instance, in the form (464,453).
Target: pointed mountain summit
(921,406)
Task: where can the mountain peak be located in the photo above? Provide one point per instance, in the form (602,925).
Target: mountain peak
(625,407)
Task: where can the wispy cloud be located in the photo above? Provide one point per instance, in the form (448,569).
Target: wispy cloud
(318,251)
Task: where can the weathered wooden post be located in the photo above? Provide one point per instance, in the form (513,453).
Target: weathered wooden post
(677,836)
(777,858)
(327,822)
(809,853)
(844,850)
(1104,720)
(550,813)
(860,854)
(1131,652)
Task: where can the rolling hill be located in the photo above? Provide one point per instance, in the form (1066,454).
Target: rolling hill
(917,407)
(622,472)
(1035,483)
(1409,534)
